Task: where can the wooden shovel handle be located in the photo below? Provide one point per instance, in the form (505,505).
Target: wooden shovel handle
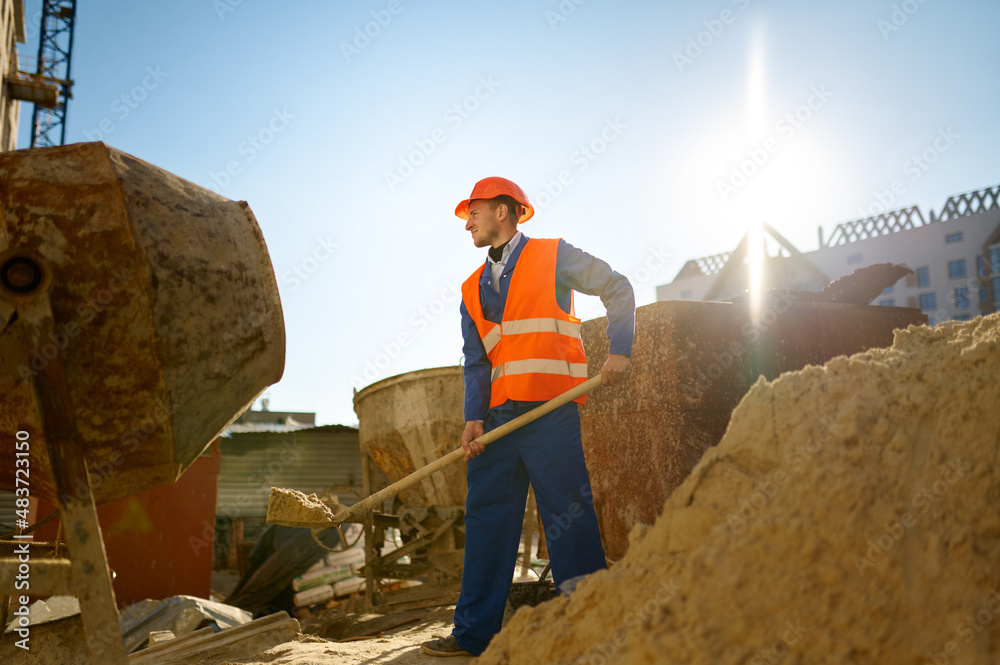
(357,512)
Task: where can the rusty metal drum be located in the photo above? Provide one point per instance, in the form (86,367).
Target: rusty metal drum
(164,305)
(410,420)
(692,363)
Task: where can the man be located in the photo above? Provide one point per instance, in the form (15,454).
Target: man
(523,348)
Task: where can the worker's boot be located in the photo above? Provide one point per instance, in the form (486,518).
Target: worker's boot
(445,646)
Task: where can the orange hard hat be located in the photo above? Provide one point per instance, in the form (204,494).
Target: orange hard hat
(490,188)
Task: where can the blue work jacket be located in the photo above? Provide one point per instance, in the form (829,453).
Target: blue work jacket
(575,271)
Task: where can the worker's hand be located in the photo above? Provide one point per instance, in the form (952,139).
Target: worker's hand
(473,430)
(614,369)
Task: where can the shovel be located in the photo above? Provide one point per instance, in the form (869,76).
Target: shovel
(356,513)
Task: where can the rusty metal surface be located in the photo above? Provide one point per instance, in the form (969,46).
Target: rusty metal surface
(811,333)
(165,304)
(410,420)
(692,362)
(642,437)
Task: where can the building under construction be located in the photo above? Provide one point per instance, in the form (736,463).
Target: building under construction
(12,33)
(954,254)
(42,79)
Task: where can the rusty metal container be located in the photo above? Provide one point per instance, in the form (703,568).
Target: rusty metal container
(410,420)
(691,364)
(165,307)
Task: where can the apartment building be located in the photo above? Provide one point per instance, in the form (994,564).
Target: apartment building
(955,256)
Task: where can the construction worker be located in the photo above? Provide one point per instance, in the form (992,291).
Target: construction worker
(522,348)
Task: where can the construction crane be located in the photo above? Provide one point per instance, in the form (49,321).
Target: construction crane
(49,88)
(55,49)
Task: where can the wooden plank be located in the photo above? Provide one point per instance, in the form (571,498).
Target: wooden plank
(435,601)
(369,530)
(68,464)
(420,592)
(248,640)
(201,633)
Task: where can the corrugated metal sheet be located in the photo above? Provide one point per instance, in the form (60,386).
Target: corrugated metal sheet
(306,418)
(309,460)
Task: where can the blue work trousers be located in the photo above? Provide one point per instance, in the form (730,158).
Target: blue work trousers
(548,453)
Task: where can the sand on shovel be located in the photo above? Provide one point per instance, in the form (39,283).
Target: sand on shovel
(294,508)
(850,514)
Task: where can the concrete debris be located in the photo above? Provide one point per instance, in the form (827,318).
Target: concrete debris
(178,614)
(160,636)
(46,611)
(847,516)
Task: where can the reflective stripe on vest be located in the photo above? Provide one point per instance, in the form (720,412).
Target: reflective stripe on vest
(527,326)
(537,366)
(523,326)
(492,339)
(536,352)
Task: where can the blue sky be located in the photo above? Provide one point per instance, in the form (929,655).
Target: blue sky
(646,133)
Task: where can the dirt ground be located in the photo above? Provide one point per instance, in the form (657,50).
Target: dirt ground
(399,646)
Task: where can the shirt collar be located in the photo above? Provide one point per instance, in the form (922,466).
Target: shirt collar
(507,251)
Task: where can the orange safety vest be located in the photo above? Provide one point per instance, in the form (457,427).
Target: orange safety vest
(536,350)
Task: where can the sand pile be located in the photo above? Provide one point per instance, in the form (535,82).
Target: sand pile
(851,514)
(294,508)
